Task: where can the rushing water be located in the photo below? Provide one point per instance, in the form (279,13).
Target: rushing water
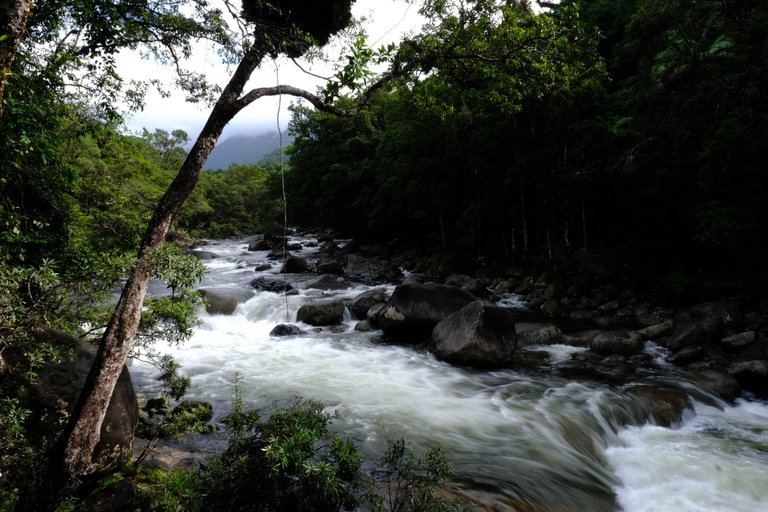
(531,440)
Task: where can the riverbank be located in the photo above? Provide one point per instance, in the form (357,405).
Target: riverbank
(496,425)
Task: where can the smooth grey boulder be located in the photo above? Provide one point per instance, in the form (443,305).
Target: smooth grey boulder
(327,282)
(416,308)
(271,285)
(223,301)
(479,334)
(363,302)
(281,330)
(321,313)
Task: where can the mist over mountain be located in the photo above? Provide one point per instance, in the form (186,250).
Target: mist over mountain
(246,149)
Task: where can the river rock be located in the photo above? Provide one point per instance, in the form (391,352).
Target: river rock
(663,406)
(266,242)
(617,342)
(718,383)
(321,313)
(690,334)
(750,367)
(371,271)
(223,301)
(737,342)
(363,302)
(330,267)
(539,335)
(722,312)
(476,287)
(203,411)
(271,285)
(416,308)
(205,255)
(751,374)
(56,390)
(479,334)
(294,265)
(286,330)
(327,282)
(581,338)
(363,326)
(686,355)
(653,332)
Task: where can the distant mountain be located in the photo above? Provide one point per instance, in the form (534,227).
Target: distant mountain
(246,149)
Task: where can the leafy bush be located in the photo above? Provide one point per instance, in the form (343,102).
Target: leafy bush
(289,461)
(410,483)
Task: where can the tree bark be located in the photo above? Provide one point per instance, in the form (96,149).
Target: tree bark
(13,23)
(71,456)
(82,434)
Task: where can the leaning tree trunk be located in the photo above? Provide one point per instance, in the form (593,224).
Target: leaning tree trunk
(13,22)
(82,433)
(71,457)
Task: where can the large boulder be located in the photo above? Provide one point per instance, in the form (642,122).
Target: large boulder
(321,313)
(266,242)
(371,270)
(363,302)
(474,286)
(622,341)
(695,333)
(271,285)
(57,389)
(718,383)
(327,282)
(750,367)
(416,308)
(294,265)
(223,301)
(479,334)
(665,407)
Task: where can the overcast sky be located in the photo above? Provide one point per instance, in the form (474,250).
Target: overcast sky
(389,19)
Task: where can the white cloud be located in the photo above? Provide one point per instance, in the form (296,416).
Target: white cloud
(387,21)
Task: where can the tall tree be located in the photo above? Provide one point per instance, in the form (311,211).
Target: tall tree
(275,27)
(13,22)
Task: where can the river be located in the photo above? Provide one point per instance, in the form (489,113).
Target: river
(526,438)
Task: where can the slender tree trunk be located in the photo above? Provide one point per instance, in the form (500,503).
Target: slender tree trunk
(13,23)
(71,457)
(82,434)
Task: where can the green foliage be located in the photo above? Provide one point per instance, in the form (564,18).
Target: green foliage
(289,461)
(410,484)
(514,135)
(15,451)
(238,201)
(171,491)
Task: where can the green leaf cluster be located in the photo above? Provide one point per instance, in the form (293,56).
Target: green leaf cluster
(633,129)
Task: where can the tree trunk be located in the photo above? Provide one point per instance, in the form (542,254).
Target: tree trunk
(13,22)
(82,435)
(70,458)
